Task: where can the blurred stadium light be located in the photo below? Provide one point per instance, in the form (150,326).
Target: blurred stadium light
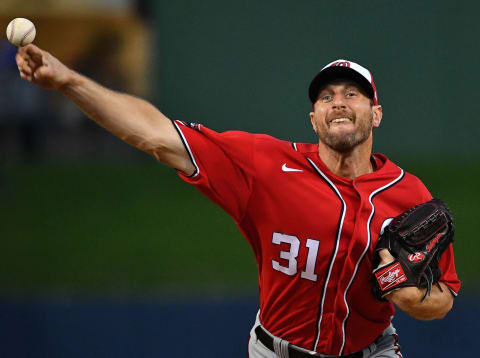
(67,5)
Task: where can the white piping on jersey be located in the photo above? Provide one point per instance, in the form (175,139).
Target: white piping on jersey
(185,143)
(337,244)
(370,198)
(294,145)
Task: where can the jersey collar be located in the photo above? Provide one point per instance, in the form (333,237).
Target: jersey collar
(385,168)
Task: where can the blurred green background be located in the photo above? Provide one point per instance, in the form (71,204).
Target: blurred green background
(117,228)
(97,221)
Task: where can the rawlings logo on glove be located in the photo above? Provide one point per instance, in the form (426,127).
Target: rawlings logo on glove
(391,276)
(417,257)
(417,238)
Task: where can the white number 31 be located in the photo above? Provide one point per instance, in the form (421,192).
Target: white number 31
(291,256)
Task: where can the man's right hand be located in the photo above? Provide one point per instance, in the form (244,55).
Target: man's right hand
(41,68)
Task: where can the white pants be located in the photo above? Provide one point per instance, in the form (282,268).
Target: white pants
(385,347)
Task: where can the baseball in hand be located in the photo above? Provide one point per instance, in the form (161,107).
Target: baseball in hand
(21,32)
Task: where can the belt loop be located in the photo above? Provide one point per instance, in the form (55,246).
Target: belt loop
(280,347)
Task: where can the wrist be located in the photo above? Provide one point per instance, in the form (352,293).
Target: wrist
(70,80)
(406,296)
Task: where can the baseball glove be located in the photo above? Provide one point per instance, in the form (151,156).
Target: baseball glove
(417,238)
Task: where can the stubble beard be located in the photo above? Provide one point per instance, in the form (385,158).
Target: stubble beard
(346,142)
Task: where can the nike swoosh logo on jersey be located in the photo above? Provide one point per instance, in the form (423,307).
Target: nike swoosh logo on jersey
(287,169)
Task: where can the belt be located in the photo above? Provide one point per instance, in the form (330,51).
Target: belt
(293,352)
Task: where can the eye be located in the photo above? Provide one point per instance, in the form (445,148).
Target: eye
(326,98)
(351,94)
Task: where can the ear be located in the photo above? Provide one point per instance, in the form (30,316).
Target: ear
(377,116)
(312,121)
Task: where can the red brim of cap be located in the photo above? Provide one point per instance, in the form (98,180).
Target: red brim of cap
(330,74)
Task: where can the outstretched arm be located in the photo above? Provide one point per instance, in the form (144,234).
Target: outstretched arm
(132,119)
(409,299)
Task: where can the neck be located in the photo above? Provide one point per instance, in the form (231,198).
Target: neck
(350,164)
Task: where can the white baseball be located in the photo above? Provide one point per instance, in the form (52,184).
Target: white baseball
(21,32)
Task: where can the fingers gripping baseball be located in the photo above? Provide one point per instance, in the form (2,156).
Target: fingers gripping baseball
(41,68)
(28,62)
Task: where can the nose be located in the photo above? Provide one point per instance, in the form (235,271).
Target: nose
(338,102)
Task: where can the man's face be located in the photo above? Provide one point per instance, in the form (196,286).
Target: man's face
(343,116)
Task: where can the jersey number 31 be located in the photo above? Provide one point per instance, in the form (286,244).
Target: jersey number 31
(291,256)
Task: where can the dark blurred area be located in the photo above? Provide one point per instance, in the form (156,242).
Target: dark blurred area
(107,41)
(38,125)
(26,110)
(93,231)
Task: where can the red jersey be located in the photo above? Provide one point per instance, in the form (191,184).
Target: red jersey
(313,233)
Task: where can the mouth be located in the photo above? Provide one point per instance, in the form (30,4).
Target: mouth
(341,120)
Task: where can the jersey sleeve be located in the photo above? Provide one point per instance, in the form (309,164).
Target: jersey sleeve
(449,274)
(447,262)
(224,165)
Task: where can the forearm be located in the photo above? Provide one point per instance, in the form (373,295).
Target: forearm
(132,119)
(436,305)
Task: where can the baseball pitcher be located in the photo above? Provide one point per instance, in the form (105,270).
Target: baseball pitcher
(341,235)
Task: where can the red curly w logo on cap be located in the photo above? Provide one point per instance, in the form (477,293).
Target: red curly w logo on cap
(341,64)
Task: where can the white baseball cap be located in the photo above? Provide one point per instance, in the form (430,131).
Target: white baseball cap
(340,69)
